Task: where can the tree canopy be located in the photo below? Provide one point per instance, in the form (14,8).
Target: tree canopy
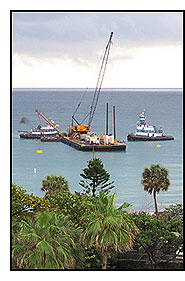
(64,230)
(154,179)
(157,238)
(53,182)
(95,178)
(49,242)
(109,228)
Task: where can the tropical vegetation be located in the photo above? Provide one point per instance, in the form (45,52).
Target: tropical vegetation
(158,239)
(86,230)
(155,179)
(109,228)
(53,182)
(47,242)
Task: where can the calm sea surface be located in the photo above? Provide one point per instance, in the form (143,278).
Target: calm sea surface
(163,108)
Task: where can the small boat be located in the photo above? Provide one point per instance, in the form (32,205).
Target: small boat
(146,132)
(46,130)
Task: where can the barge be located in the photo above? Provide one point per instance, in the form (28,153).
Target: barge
(51,139)
(83,139)
(96,147)
(146,132)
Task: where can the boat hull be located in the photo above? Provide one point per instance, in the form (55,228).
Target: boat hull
(132,137)
(29,136)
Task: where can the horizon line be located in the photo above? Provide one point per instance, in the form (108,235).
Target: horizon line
(92,88)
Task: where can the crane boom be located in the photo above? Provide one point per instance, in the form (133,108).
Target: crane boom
(47,120)
(100,81)
(79,127)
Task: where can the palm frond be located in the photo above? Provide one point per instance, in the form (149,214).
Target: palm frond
(44,246)
(34,261)
(109,237)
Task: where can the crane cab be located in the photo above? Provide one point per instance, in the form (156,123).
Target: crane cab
(82,129)
(78,130)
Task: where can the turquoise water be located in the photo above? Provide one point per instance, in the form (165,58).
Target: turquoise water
(163,108)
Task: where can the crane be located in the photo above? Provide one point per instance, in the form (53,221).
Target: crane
(86,128)
(47,120)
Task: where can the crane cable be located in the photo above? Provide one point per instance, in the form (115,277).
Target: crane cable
(99,82)
(79,104)
(97,91)
(98,86)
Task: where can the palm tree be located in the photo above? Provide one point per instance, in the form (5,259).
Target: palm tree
(52,182)
(109,228)
(154,179)
(49,243)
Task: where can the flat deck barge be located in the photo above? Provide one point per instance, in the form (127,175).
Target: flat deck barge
(77,144)
(51,139)
(96,147)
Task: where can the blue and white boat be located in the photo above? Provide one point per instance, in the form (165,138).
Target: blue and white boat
(45,130)
(146,132)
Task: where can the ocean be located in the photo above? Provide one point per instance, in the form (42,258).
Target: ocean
(163,108)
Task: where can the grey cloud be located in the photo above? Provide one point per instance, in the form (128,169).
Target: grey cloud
(81,36)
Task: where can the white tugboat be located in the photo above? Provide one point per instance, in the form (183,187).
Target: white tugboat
(146,132)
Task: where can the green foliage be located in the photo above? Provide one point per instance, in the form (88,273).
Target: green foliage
(24,205)
(109,228)
(96,178)
(155,230)
(154,179)
(173,212)
(156,238)
(44,235)
(24,209)
(92,259)
(53,182)
(74,206)
(49,242)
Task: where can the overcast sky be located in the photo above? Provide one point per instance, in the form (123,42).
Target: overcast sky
(61,50)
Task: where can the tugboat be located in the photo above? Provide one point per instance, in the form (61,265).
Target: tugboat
(146,132)
(40,131)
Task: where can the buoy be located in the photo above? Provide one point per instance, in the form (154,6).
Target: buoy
(57,125)
(158,145)
(39,151)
